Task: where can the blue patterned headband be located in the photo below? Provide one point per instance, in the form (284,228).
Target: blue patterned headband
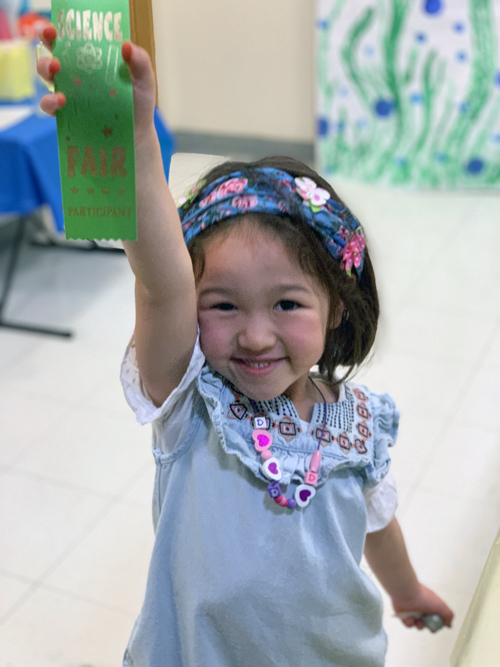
(268,190)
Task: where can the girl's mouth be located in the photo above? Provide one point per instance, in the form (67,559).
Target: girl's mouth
(257,368)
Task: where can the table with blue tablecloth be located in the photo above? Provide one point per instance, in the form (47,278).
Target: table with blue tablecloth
(29,167)
(29,179)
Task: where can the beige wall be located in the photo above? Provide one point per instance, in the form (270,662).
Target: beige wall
(237,67)
(40,5)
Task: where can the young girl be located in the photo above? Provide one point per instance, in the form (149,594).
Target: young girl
(271,480)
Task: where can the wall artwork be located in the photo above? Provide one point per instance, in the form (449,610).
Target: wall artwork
(409,91)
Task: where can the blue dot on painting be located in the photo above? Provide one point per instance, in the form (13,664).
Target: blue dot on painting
(433,6)
(464,107)
(497,78)
(495,138)
(323,25)
(416,98)
(340,127)
(441,157)
(384,108)
(475,166)
(458,27)
(462,56)
(322,127)
(369,51)
(400,161)
(421,37)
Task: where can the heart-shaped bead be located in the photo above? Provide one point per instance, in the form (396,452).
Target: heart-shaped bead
(262,439)
(304,494)
(272,469)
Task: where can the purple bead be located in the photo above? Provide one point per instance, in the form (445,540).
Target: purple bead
(292,503)
(274,490)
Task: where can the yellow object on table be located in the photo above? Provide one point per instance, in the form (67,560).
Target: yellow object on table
(17,70)
(478,643)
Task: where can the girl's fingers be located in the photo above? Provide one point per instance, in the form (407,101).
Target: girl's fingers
(48,36)
(49,104)
(127,52)
(47,67)
(138,62)
(54,67)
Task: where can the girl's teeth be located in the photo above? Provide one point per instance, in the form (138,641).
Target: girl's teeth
(261,364)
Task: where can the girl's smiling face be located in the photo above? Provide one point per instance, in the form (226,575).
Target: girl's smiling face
(262,320)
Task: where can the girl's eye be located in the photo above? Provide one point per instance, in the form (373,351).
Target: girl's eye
(287,304)
(223,306)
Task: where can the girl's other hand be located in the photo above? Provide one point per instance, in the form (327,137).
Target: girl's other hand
(141,72)
(425,602)
(47,68)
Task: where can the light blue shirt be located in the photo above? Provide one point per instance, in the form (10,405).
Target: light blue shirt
(235,580)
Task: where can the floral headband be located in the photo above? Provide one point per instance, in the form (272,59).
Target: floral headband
(268,190)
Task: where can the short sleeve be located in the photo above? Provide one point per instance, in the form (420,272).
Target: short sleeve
(181,398)
(385,431)
(381,504)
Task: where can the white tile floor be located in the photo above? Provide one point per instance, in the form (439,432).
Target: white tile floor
(76,473)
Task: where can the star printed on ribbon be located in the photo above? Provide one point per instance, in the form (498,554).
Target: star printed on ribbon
(107,131)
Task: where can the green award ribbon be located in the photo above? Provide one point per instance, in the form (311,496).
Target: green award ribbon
(95,128)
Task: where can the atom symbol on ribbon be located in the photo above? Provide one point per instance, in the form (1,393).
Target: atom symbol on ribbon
(89,58)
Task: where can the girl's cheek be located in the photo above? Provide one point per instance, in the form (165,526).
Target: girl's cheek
(214,335)
(308,330)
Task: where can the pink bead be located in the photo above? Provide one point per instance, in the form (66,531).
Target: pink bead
(311,478)
(315,461)
(266,454)
(262,439)
(281,500)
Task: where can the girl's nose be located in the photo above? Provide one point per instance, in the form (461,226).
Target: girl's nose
(257,335)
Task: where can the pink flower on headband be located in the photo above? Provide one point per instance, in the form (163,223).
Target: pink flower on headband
(191,195)
(233,186)
(344,234)
(351,255)
(209,199)
(245,201)
(309,191)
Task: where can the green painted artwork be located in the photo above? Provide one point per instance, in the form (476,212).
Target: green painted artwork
(95,128)
(409,92)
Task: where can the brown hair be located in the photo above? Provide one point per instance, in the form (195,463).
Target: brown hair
(347,345)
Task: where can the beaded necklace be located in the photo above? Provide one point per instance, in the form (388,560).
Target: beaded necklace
(271,466)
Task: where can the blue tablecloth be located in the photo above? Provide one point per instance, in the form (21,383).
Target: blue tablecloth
(29,166)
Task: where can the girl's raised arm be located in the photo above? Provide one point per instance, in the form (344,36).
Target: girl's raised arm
(166,314)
